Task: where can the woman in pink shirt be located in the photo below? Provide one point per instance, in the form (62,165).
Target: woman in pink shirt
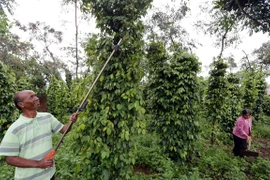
(242,132)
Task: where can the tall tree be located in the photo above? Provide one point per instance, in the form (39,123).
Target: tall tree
(48,37)
(74,50)
(254,14)
(15,54)
(224,27)
(8,5)
(172,94)
(234,102)
(250,91)
(12,49)
(116,112)
(263,55)
(165,25)
(157,58)
(254,84)
(261,88)
(217,93)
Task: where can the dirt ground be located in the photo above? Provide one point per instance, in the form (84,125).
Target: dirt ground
(142,170)
(263,147)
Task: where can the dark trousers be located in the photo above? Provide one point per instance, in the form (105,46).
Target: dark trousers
(239,145)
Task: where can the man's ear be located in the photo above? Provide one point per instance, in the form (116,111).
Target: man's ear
(20,104)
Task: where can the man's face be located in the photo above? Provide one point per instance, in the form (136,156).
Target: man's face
(29,100)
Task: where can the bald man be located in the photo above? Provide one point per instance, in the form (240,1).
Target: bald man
(29,139)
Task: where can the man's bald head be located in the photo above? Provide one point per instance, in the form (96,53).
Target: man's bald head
(18,97)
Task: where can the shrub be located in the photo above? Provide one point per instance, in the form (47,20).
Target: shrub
(6,171)
(149,155)
(261,169)
(7,90)
(261,131)
(215,163)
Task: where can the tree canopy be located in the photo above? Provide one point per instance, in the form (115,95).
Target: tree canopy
(254,14)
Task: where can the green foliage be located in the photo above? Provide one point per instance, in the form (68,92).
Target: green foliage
(30,75)
(172,94)
(15,54)
(168,20)
(24,83)
(6,171)
(222,26)
(217,93)
(262,130)
(8,4)
(200,107)
(233,104)
(202,87)
(58,96)
(4,26)
(117,16)
(116,113)
(150,156)
(263,55)
(250,91)
(254,86)
(150,159)
(266,105)
(78,90)
(253,14)
(261,88)
(67,163)
(156,58)
(261,169)
(68,76)
(215,163)
(37,74)
(7,90)
(12,50)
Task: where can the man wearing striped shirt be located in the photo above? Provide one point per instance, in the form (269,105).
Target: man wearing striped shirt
(29,139)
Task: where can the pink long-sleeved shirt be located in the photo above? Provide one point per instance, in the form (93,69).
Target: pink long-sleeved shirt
(242,127)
